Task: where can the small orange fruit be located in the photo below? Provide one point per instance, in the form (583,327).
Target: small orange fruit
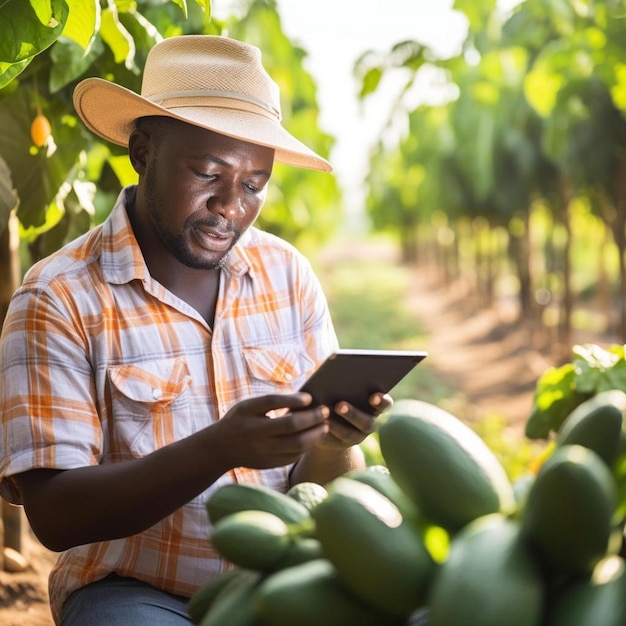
(40,130)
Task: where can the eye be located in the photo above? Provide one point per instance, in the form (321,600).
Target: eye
(204,176)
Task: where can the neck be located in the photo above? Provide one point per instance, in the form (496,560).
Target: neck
(198,287)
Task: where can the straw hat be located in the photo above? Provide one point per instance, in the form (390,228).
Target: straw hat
(210,81)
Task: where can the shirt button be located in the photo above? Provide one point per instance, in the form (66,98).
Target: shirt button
(157,393)
(288,376)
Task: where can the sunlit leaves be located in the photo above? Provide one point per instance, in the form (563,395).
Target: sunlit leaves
(44,12)
(477,12)
(115,35)
(23,35)
(205,5)
(618,90)
(371,66)
(370,81)
(9,71)
(560,390)
(541,87)
(83,22)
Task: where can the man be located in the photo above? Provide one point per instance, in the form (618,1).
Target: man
(158,357)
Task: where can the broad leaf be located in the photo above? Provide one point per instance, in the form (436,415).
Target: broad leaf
(43,11)
(8,71)
(22,35)
(83,22)
(69,61)
(115,35)
(183,6)
(555,398)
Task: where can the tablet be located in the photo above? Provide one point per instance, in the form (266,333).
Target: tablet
(354,375)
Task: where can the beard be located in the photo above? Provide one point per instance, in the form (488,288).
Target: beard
(177,242)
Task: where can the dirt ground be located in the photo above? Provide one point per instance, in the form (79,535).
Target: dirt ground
(493,362)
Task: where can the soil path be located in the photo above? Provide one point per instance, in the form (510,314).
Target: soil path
(485,356)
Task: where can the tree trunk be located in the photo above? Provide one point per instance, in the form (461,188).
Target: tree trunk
(565,319)
(604,296)
(519,252)
(10,277)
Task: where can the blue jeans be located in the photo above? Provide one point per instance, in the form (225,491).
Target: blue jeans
(117,601)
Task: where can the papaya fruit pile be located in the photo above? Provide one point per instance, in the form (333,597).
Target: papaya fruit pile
(438,535)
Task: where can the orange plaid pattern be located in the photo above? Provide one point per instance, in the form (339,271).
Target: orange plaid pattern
(100,363)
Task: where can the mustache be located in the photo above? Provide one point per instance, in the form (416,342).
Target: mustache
(213,222)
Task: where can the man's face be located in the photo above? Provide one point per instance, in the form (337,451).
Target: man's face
(203,190)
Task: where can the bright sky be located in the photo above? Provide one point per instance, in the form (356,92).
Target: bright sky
(335,33)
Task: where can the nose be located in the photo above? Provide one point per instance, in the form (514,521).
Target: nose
(227,203)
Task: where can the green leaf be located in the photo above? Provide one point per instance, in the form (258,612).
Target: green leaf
(22,35)
(560,390)
(123,169)
(370,82)
(8,200)
(8,71)
(592,364)
(83,21)
(183,6)
(555,398)
(115,35)
(476,11)
(205,5)
(69,61)
(43,11)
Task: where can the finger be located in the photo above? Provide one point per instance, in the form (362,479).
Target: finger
(380,402)
(359,420)
(272,402)
(300,421)
(344,432)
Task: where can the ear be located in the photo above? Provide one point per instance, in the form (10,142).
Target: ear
(139,145)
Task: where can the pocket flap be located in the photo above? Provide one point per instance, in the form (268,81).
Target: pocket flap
(157,381)
(281,366)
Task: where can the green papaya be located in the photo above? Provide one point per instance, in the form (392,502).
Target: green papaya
(236,497)
(203,598)
(378,555)
(255,540)
(596,424)
(443,465)
(597,600)
(569,511)
(490,578)
(311,594)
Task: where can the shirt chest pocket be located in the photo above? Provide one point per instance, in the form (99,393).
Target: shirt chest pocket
(150,405)
(282,369)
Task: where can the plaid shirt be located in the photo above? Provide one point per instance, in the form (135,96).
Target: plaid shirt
(99,363)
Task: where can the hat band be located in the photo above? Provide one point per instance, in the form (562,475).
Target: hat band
(213,98)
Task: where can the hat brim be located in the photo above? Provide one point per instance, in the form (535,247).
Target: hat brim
(110,110)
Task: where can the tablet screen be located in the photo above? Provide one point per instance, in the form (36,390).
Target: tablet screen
(354,375)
